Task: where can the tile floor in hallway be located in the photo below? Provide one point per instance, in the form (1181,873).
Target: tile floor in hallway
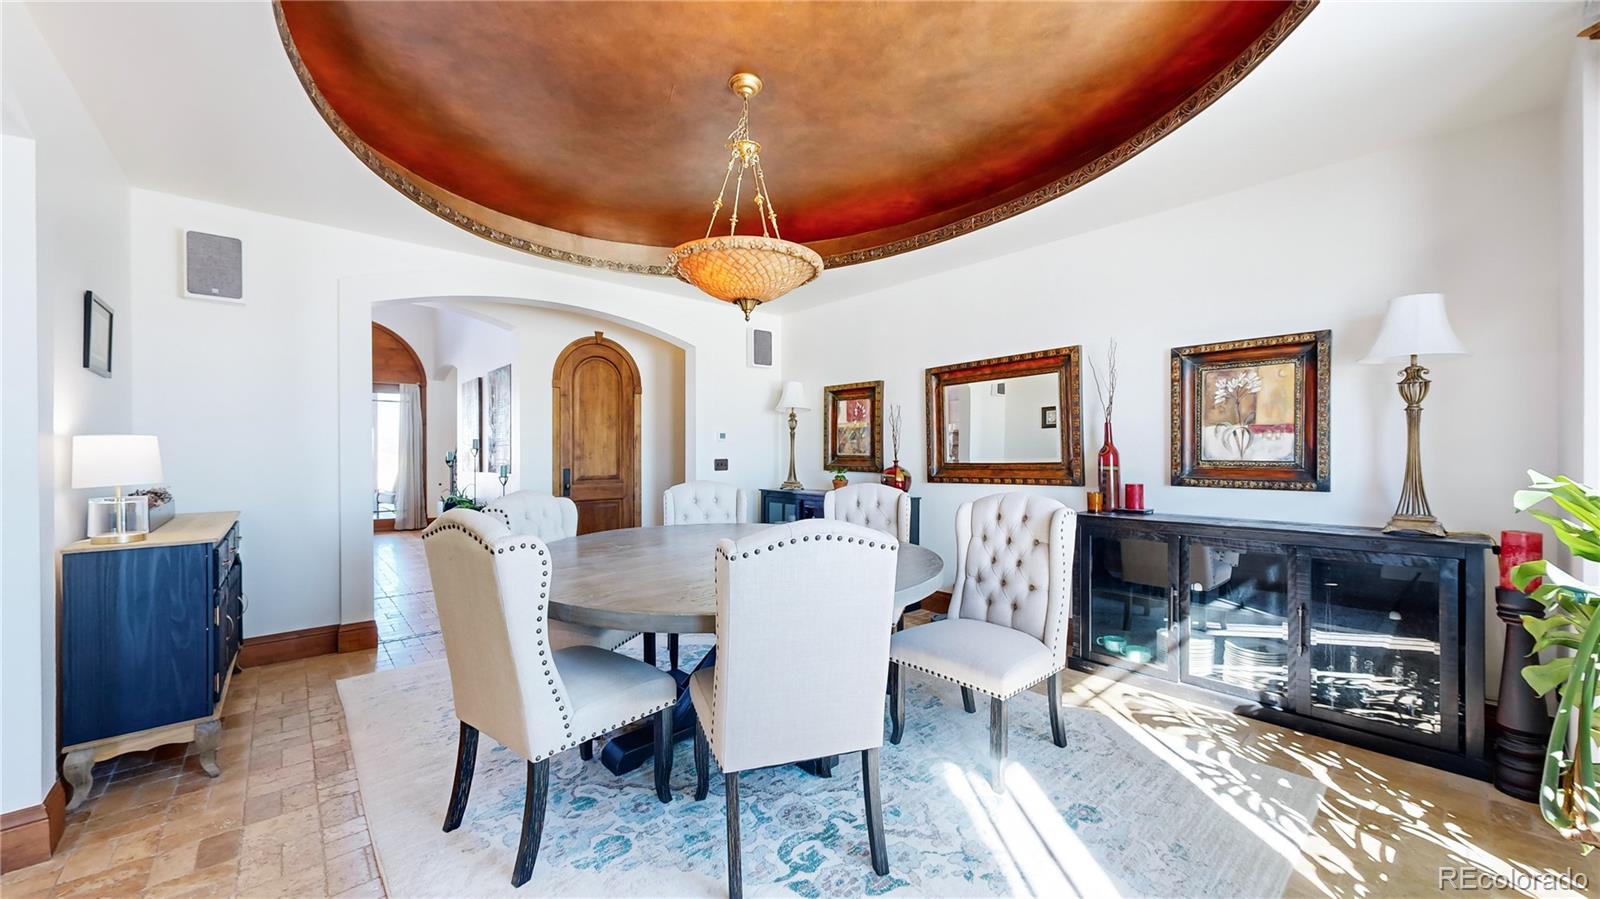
(286,816)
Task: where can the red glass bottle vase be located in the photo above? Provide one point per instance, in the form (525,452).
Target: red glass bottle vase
(897,477)
(1110,472)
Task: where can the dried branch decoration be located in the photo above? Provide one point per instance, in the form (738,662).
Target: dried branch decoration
(894,429)
(1107,391)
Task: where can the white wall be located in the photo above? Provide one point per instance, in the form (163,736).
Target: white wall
(418,326)
(266,409)
(539,336)
(1578,338)
(79,242)
(1472,215)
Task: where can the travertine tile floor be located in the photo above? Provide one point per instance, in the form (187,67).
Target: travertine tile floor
(286,818)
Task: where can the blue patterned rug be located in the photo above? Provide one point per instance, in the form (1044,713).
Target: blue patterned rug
(1114,813)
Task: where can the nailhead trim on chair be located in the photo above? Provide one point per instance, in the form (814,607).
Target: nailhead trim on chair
(1022,689)
(773,547)
(603,731)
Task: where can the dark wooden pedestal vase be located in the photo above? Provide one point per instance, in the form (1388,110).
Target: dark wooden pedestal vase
(1524,722)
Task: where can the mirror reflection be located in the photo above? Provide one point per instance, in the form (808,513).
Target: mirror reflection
(1004,420)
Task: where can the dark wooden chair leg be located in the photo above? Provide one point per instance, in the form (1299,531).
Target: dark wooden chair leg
(735,877)
(466,758)
(897,703)
(702,762)
(672,652)
(532,821)
(650,650)
(664,754)
(997,744)
(586,750)
(1058,731)
(870,792)
(968,701)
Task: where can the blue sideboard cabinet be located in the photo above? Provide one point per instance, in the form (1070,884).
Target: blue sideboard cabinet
(780,506)
(147,638)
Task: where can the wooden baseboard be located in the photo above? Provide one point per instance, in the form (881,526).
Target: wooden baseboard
(269,649)
(358,635)
(29,835)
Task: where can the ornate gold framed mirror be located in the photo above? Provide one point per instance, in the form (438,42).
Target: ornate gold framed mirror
(987,425)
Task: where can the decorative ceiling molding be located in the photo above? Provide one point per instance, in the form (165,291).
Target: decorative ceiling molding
(564,246)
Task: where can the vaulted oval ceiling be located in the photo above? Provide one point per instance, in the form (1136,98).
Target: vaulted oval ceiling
(594,132)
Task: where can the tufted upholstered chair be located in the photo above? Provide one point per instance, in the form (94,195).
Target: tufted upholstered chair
(492,589)
(707,502)
(875,506)
(547,517)
(1007,626)
(819,594)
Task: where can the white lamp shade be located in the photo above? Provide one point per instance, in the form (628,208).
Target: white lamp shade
(115,460)
(1415,325)
(794,397)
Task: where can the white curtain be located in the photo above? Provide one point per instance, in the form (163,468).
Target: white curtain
(410,511)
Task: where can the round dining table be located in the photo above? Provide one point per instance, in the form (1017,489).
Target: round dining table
(662,580)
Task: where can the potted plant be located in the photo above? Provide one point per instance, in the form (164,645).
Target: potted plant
(459,500)
(839,479)
(1570,626)
(894,475)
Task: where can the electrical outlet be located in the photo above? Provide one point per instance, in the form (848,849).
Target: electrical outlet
(719,464)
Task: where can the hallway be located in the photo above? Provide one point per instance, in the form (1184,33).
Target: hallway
(402,601)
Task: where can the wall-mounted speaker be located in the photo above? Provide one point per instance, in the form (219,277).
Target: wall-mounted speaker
(213,267)
(758,348)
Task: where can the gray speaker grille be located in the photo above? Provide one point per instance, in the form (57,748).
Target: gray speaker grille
(760,347)
(214,265)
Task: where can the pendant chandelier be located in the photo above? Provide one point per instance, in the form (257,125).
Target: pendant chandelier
(744,269)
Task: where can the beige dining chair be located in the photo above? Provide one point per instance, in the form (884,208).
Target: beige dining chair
(820,595)
(527,512)
(876,506)
(1007,626)
(509,681)
(707,502)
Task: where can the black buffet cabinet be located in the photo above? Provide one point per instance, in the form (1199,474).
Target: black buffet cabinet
(1343,632)
(781,506)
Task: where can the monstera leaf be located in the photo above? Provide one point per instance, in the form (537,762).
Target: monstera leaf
(1568,799)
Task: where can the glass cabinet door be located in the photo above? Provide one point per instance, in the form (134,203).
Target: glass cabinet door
(1128,588)
(1380,643)
(1236,627)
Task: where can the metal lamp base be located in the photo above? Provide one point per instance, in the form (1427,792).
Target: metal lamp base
(1415,524)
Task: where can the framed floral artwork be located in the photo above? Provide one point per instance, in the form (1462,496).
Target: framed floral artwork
(1252,413)
(853,433)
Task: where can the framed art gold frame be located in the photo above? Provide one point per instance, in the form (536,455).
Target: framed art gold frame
(840,395)
(1067,471)
(1253,414)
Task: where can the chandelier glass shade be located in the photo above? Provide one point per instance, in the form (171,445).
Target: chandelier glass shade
(744,269)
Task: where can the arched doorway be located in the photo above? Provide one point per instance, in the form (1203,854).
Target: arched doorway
(400,433)
(596,433)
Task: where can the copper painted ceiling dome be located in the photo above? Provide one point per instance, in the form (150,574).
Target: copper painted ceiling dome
(593,132)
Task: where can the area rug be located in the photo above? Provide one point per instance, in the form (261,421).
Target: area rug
(1111,814)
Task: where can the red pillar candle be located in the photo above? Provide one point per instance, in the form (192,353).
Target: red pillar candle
(1133,496)
(1517,547)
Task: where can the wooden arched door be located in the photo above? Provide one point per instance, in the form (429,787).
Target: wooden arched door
(596,457)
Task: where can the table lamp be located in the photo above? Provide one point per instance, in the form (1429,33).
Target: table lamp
(792,401)
(116,460)
(1415,325)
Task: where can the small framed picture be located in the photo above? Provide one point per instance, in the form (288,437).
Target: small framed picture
(1047,417)
(97,320)
(854,426)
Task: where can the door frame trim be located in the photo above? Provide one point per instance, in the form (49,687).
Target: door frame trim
(635,511)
